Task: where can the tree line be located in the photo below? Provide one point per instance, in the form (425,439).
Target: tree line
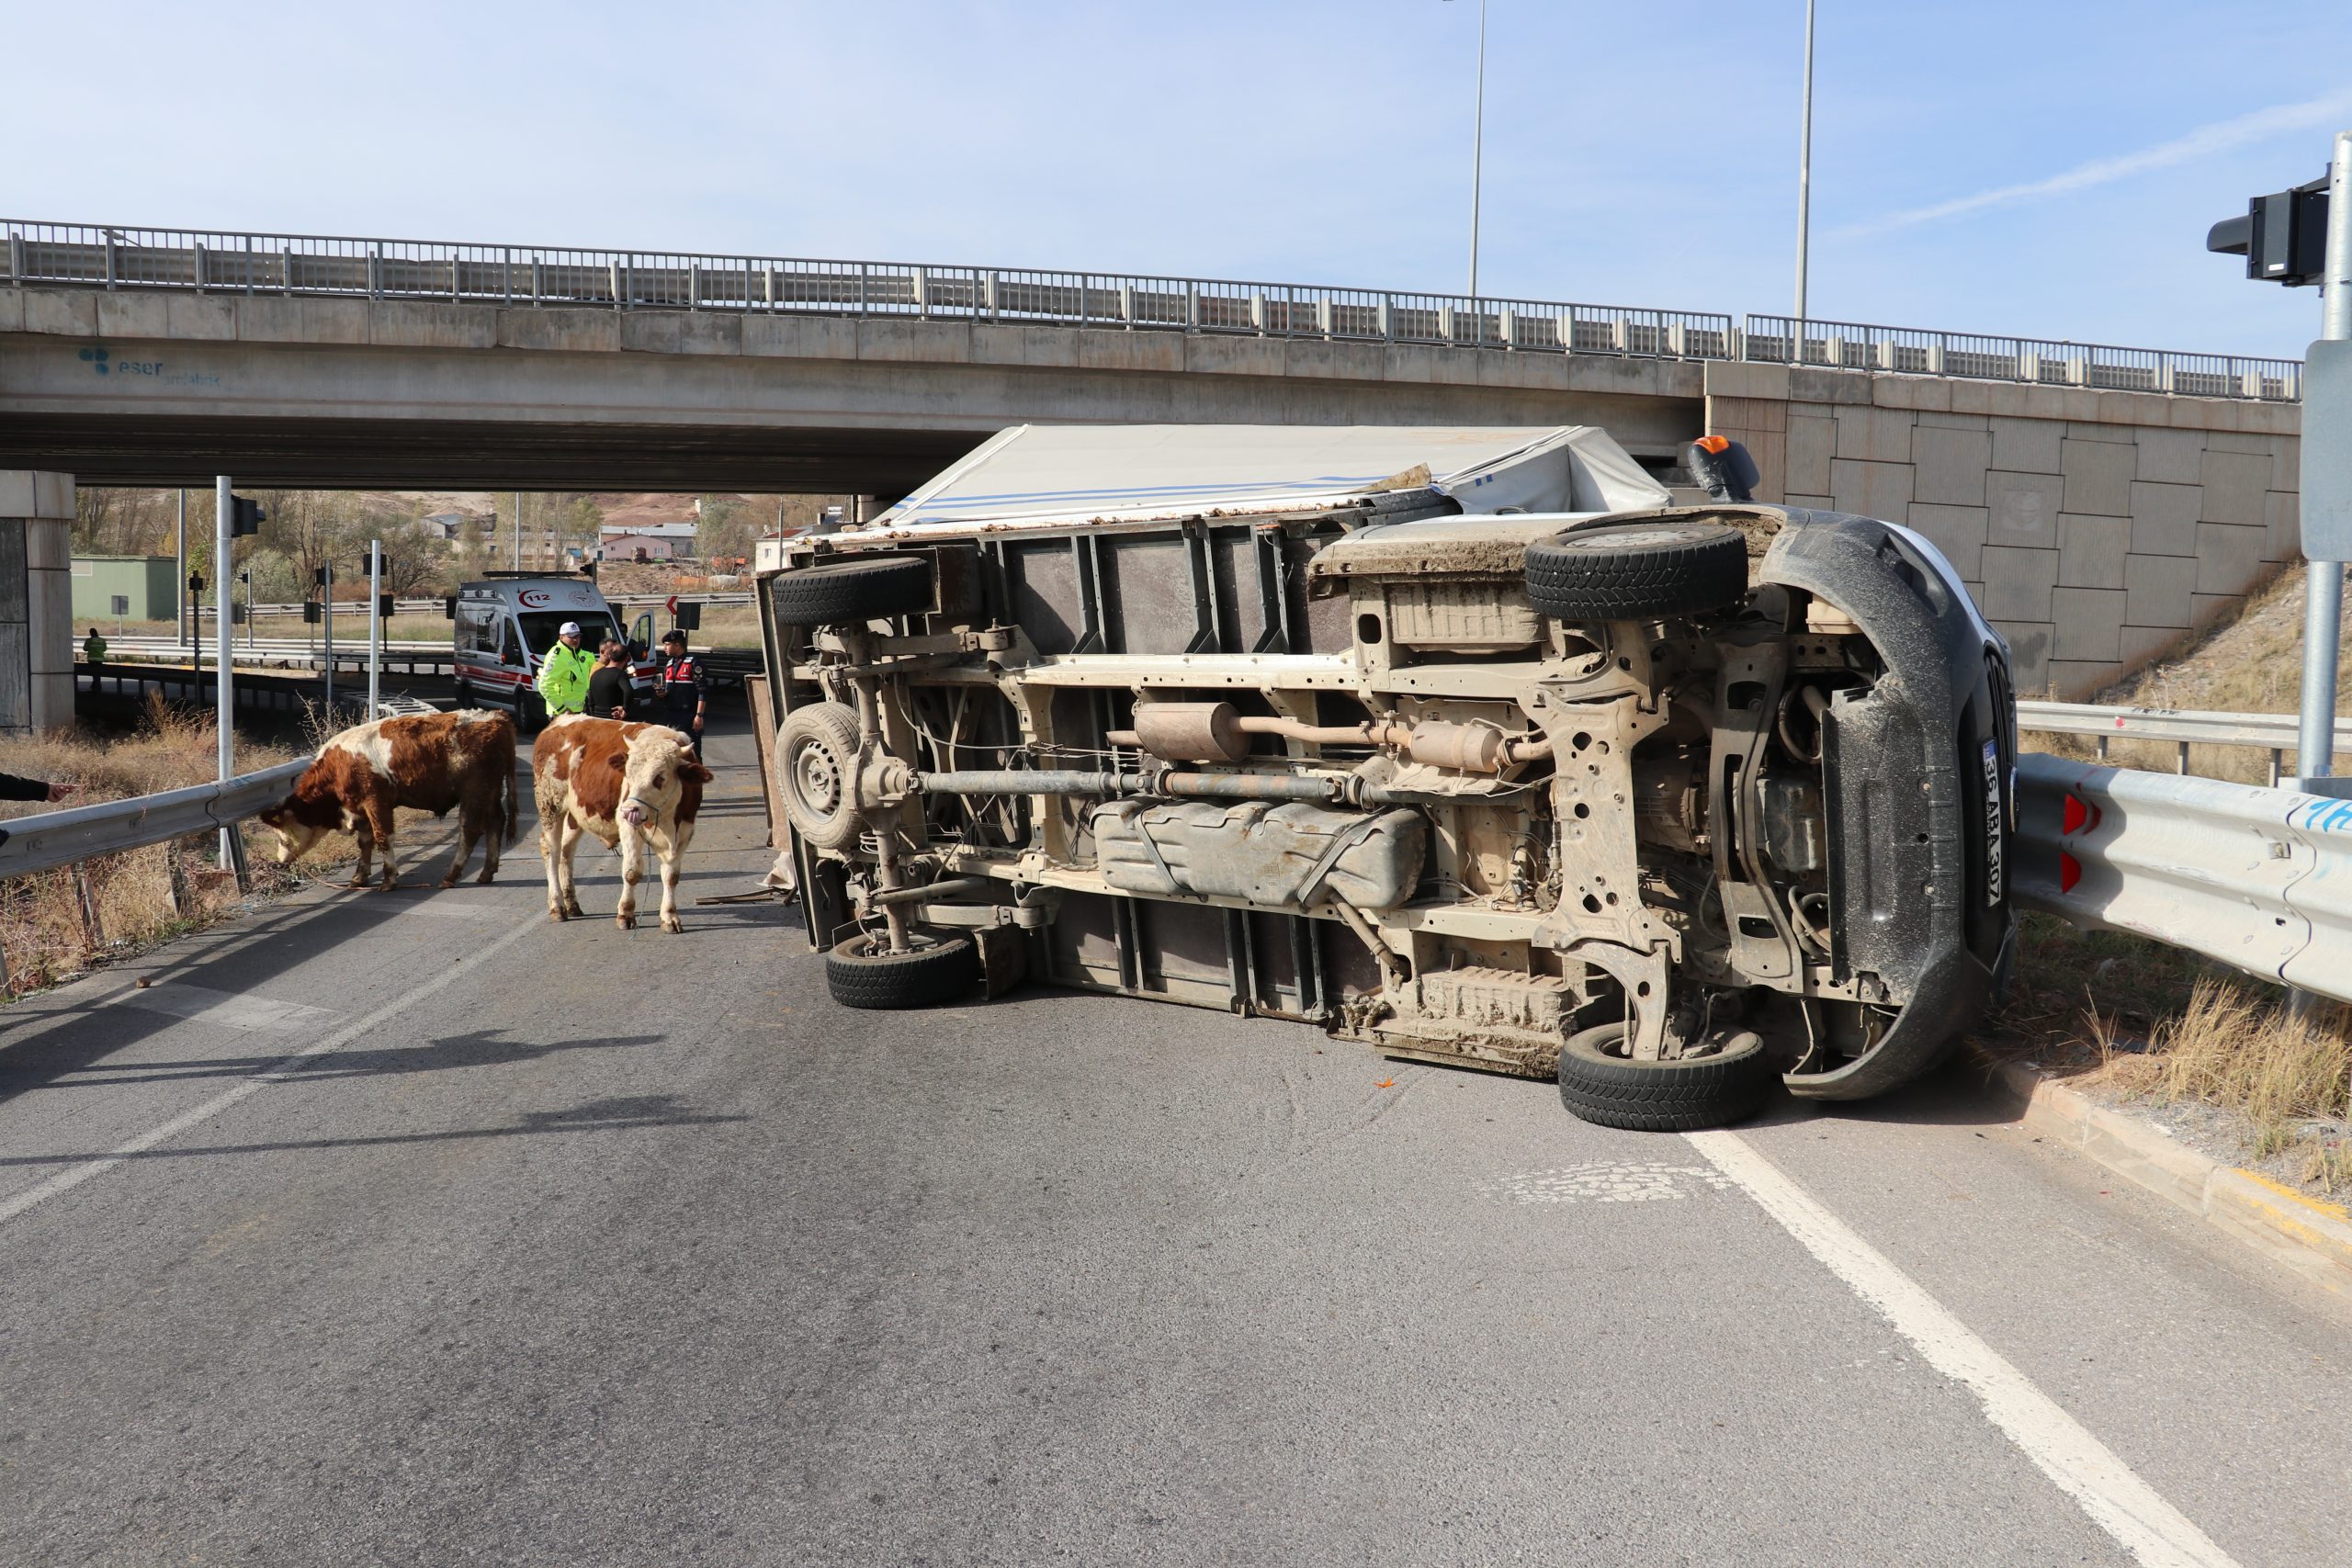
(304,529)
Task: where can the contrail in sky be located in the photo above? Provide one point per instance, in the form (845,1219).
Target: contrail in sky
(2219,137)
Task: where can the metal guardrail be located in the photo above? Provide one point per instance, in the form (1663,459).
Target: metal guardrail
(213,260)
(2258,879)
(2273,732)
(53,839)
(2048,361)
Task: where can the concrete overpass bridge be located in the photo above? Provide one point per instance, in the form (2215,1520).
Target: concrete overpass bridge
(2099,501)
(154,356)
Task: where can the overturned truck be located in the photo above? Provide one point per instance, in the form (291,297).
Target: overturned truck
(1465,744)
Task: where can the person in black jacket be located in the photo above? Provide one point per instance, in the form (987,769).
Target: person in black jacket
(608,690)
(686,690)
(15,788)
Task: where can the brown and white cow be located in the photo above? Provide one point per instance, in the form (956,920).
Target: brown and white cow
(633,785)
(423,762)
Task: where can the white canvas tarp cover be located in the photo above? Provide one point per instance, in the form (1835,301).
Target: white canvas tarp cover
(1060,474)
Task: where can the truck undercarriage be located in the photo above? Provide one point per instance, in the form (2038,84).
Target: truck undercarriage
(1661,803)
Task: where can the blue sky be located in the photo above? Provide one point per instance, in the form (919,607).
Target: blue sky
(1635,154)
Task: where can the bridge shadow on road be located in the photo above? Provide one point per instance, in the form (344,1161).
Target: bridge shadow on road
(621,1114)
(482,1049)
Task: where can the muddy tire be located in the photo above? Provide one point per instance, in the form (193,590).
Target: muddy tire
(816,762)
(1600,1084)
(863,972)
(851,589)
(1637,572)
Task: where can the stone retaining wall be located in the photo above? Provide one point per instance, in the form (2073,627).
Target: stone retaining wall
(2095,529)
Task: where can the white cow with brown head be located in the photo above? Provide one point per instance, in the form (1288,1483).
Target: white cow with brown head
(636,786)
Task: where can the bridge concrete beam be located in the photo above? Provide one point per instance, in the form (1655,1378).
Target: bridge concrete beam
(162,387)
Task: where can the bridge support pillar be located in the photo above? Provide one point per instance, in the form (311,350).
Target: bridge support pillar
(36,601)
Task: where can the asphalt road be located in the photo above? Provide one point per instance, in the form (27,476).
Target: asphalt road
(565,1244)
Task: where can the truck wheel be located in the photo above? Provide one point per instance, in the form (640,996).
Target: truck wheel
(1637,572)
(464,696)
(849,589)
(816,758)
(942,966)
(530,713)
(1600,1083)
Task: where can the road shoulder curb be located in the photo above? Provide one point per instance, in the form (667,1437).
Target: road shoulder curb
(2306,1234)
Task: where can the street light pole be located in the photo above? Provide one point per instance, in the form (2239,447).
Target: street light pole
(1478,146)
(2324,581)
(1805,186)
(223,678)
(179,578)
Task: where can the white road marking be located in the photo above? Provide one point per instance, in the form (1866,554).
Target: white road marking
(2117,1500)
(73,1175)
(1604,1181)
(201,1004)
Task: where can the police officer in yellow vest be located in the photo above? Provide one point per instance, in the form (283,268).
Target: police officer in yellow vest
(564,674)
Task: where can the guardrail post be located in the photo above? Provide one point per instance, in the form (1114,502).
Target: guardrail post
(87,906)
(1192,307)
(864,305)
(109,261)
(1445,322)
(922,291)
(16,258)
(1387,318)
(613,275)
(1323,310)
(693,286)
(1258,310)
(1085,287)
(767,287)
(198,246)
(249,263)
(1128,306)
(286,270)
(457,278)
(537,280)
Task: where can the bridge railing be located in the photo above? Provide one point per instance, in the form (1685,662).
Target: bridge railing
(1858,345)
(208,261)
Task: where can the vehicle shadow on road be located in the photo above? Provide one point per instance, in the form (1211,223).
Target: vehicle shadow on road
(619,1114)
(1957,1094)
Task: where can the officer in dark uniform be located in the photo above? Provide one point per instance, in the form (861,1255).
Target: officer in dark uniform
(684,690)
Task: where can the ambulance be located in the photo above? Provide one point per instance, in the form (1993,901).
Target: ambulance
(505,626)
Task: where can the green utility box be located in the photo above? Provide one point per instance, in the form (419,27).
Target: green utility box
(128,588)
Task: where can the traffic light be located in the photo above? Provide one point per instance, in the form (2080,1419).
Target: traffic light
(2283,236)
(244,516)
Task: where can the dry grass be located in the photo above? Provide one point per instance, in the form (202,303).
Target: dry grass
(2150,1022)
(137,898)
(2235,1047)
